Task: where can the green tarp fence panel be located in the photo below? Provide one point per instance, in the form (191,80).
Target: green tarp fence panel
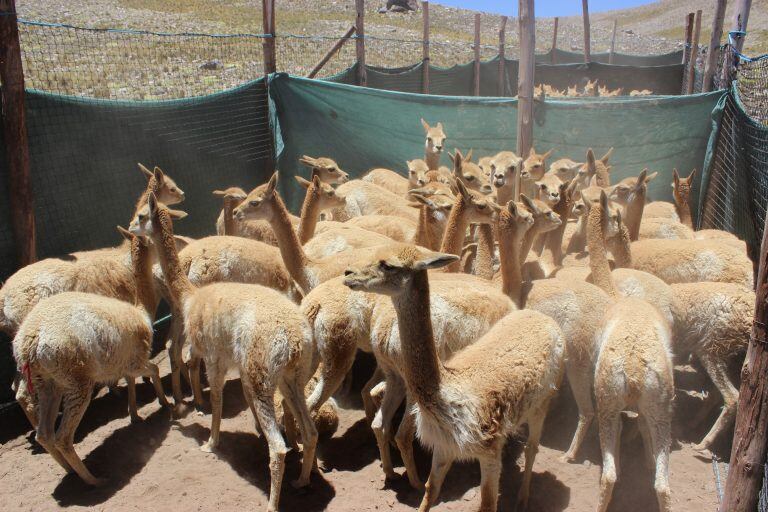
(620,59)
(84,155)
(362,128)
(458,80)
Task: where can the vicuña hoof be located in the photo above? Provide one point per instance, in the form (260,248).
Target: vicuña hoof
(135,418)
(299,483)
(208,447)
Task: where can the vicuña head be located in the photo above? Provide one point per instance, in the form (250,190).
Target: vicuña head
(550,187)
(535,165)
(323,193)
(623,192)
(682,186)
(417,172)
(504,167)
(328,170)
(393,267)
(469,173)
(232,195)
(165,188)
(480,209)
(435,137)
(142,225)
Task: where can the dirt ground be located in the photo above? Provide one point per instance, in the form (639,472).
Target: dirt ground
(157,464)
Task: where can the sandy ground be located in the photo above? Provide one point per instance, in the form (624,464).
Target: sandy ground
(157,464)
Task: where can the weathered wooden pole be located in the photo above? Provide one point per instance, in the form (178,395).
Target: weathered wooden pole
(554,41)
(15,135)
(425,48)
(502,62)
(527,31)
(268,26)
(587,38)
(613,42)
(336,47)
(362,76)
(694,54)
(740,19)
(477,54)
(750,438)
(688,36)
(714,44)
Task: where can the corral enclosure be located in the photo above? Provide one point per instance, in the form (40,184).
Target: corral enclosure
(200,107)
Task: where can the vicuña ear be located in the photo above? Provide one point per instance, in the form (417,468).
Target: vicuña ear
(591,167)
(651,176)
(425,125)
(512,207)
(692,175)
(307,160)
(304,183)
(316,180)
(152,203)
(219,193)
(641,179)
(439,126)
(271,184)
(606,156)
(603,200)
(675,176)
(177,214)
(462,189)
(126,234)
(546,155)
(158,174)
(468,156)
(145,171)
(435,260)
(528,202)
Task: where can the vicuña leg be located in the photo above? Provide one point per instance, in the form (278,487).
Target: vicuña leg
(216,376)
(49,398)
(294,398)
(490,473)
(382,422)
(580,379)
(535,426)
(76,401)
(132,408)
(717,369)
(609,445)
(440,466)
(265,409)
(404,438)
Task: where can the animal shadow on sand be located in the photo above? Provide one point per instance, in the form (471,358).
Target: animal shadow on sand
(248,455)
(132,446)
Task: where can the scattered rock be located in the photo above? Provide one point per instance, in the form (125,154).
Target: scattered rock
(211,65)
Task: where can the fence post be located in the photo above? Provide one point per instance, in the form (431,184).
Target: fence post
(740,18)
(477,54)
(362,76)
(613,42)
(694,54)
(527,31)
(587,38)
(688,37)
(502,57)
(751,432)
(554,41)
(15,135)
(425,62)
(268,25)
(714,44)
(331,52)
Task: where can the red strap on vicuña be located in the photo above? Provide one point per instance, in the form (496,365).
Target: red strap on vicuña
(27,373)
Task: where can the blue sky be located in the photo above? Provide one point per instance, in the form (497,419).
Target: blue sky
(544,8)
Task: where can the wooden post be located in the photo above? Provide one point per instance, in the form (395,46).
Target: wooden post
(694,54)
(425,62)
(740,18)
(477,54)
(502,62)
(587,38)
(613,42)
(15,135)
(714,44)
(554,41)
(336,47)
(527,31)
(688,36)
(750,437)
(362,77)
(268,25)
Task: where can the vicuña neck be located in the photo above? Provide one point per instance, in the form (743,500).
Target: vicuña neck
(598,254)
(453,239)
(229,220)
(152,187)
(683,211)
(141,259)
(294,257)
(484,257)
(578,240)
(422,236)
(506,193)
(510,239)
(620,248)
(422,369)
(432,159)
(178,283)
(310,212)
(554,239)
(634,214)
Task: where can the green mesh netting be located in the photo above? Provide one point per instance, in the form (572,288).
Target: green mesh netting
(459,80)
(366,128)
